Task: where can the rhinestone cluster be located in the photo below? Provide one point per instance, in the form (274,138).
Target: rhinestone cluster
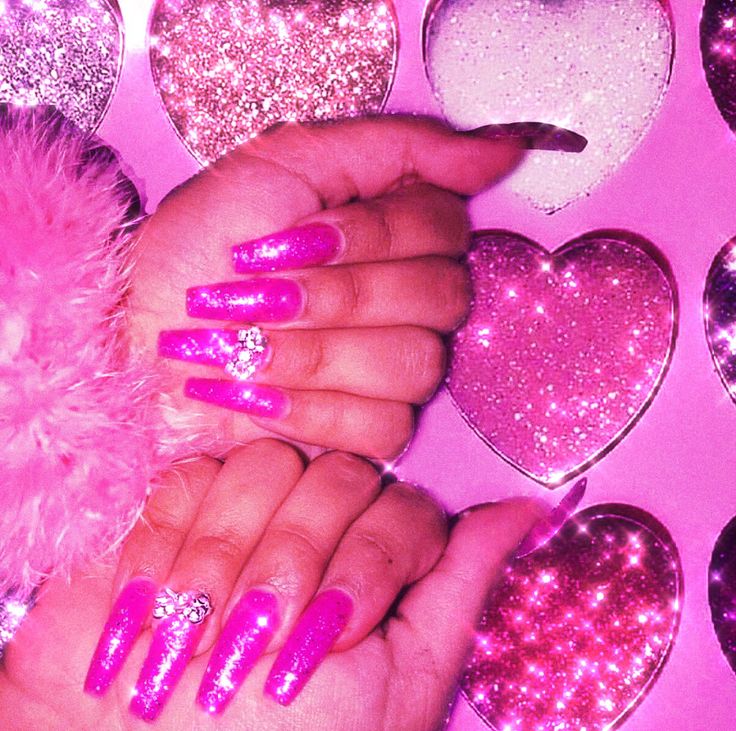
(191,606)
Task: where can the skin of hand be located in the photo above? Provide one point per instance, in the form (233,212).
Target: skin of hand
(263,521)
(356,342)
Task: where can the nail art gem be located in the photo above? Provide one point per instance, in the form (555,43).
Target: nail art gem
(295,248)
(252,300)
(492,61)
(174,641)
(722,591)
(312,639)
(562,352)
(720,315)
(131,609)
(284,60)
(576,633)
(250,398)
(243,640)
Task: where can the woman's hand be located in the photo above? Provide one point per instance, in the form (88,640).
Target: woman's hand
(350,345)
(312,625)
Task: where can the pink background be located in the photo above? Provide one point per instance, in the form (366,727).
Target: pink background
(678,189)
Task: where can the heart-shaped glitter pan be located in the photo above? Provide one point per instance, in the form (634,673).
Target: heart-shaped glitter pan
(718,48)
(228,69)
(63,53)
(577,632)
(561,352)
(722,591)
(598,68)
(720,315)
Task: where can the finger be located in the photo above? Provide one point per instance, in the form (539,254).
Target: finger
(431,292)
(437,618)
(236,510)
(254,481)
(392,363)
(286,568)
(375,428)
(413,221)
(394,543)
(147,557)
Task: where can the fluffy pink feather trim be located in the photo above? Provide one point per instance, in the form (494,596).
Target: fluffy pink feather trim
(79,428)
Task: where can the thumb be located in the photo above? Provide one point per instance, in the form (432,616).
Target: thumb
(437,618)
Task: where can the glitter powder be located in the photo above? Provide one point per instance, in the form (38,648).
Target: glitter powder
(66,53)
(576,633)
(718,46)
(720,315)
(598,68)
(561,352)
(228,69)
(722,591)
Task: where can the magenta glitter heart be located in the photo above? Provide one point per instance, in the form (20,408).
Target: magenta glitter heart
(718,46)
(722,591)
(720,315)
(577,632)
(562,352)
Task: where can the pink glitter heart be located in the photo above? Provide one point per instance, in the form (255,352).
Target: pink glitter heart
(577,632)
(562,352)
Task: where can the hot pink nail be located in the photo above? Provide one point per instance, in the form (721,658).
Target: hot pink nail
(251,398)
(253,300)
(295,248)
(173,644)
(313,637)
(240,352)
(132,608)
(547,528)
(243,640)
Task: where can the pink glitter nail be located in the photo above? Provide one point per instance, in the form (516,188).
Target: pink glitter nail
(296,248)
(243,640)
(312,639)
(253,300)
(132,608)
(250,398)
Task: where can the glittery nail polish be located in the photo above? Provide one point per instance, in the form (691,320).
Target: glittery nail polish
(294,248)
(250,398)
(534,136)
(132,608)
(240,352)
(252,300)
(243,640)
(174,642)
(316,632)
(548,527)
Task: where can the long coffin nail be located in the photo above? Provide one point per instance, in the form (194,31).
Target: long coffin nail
(253,300)
(534,136)
(243,640)
(253,399)
(240,352)
(547,528)
(173,644)
(132,608)
(312,639)
(294,248)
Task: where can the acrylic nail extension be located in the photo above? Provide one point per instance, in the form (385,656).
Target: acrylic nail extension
(243,640)
(240,352)
(294,248)
(534,136)
(547,528)
(316,632)
(132,608)
(252,300)
(174,641)
(250,398)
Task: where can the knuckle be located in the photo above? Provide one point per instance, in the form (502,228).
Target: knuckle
(422,510)
(313,357)
(226,547)
(349,294)
(397,428)
(350,469)
(374,545)
(425,358)
(296,546)
(268,451)
(457,290)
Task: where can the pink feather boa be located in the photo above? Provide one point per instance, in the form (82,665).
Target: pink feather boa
(79,428)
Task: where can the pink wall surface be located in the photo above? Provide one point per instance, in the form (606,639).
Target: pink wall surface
(677,189)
